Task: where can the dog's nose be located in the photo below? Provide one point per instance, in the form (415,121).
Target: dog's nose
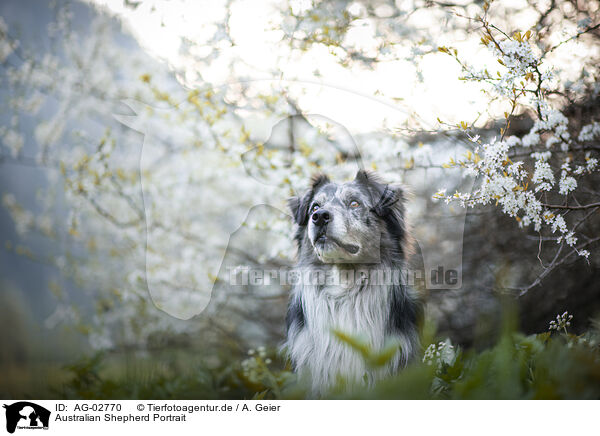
(321,217)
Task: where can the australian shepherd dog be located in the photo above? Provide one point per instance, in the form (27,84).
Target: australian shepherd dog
(347,235)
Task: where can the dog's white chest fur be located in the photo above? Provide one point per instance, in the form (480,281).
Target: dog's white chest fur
(322,357)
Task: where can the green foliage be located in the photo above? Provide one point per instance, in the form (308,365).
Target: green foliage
(172,374)
(539,366)
(373,358)
(555,365)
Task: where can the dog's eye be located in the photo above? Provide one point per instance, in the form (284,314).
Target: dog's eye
(354,204)
(314,208)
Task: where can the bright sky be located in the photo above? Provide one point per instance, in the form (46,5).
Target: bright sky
(344,95)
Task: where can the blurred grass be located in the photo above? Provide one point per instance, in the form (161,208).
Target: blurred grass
(31,381)
(543,366)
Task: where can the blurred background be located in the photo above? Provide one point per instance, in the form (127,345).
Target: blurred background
(147,150)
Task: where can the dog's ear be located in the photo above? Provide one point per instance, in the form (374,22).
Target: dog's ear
(318,180)
(299,208)
(369,179)
(362,176)
(299,205)
(390,201)
(388,204)
(385,198)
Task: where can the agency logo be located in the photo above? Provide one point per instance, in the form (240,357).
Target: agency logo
(26,415)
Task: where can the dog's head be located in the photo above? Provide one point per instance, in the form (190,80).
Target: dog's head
(356,222)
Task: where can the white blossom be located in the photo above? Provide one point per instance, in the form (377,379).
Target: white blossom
(14,141)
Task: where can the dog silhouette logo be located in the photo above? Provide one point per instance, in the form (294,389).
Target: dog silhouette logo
(26,415)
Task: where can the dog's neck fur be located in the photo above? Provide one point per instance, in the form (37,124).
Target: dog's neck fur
(356,309)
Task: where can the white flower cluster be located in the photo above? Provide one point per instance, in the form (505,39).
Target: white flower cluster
(24,220)
(543,176)
(553,122)
(14,141)
(561,323)
(589,132)
(521,63)
(516,55)
(506,183)
(442,352)
(567,183)
(591,164)
(7,46)
(557,223)
(254,365)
